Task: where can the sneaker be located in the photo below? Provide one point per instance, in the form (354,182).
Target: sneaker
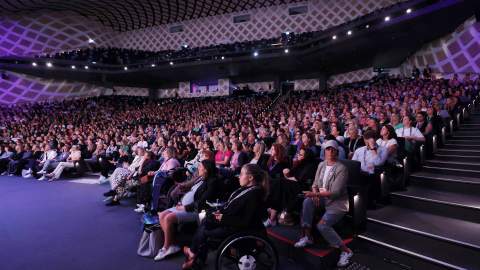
(27,175)
(42,178)
(5,173)
(344,259)
(166,252)
(102,179)
(42,172)
(303,242)
(140,209)
(52,179)
(269,223)
(11,174)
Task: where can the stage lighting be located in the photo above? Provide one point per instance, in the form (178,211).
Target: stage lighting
(171,63)
(49,64)
(91,41)
(125,68)
(255,54)
(94,62)
(367,26)
(34,64)
(153,65)
(73,67)
(408,11)
(223,57)
(287,33)
(349,32)
(334,37)
(85,67)
(286,51)
(387,18)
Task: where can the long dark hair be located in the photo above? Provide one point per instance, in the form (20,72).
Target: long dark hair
(210,167)
(260,177)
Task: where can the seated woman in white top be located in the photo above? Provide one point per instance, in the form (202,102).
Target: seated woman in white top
(75,155)
(389,142)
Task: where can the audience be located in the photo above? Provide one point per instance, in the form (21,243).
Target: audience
(139,144)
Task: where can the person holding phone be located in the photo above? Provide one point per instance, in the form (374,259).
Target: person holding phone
(329,193)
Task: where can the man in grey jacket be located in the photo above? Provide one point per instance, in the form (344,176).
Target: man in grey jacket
(329,193)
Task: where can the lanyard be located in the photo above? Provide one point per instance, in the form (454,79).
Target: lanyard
(236,195)
(403,131)
(354,145)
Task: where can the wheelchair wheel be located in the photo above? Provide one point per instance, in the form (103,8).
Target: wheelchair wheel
(246,252)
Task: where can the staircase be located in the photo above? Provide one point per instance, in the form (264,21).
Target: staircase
(435,222)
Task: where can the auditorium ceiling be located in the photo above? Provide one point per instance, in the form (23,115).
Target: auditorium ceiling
(125,15)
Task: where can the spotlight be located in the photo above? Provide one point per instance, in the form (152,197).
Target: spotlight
(349,32)
(49,64)
(255,54)
(125,68)
(387,18)
(91,41)
(73,67)
(171,63)
(34,64)
(367,26)
(286,51)
(287,33)
(94,62)
(153,65)
(185,46)
(334,37)
(408,11)
(85,67)
(223,57)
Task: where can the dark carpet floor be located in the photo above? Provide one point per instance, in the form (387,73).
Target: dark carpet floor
(65,225)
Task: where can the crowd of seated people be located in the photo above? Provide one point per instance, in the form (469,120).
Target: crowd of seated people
(140,145)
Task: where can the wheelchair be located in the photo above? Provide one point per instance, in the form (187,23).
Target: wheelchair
(247,251)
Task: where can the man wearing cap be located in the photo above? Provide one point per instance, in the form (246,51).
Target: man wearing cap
(329,193)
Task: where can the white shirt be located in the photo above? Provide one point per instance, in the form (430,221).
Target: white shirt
(369,159)
(411,132)
(327,172)
(386,145)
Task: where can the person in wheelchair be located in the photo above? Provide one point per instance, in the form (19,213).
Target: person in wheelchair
(204,188)
(243,211)
(329,194)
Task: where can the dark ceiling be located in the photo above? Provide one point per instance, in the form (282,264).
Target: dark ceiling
(124,15)
(382,45)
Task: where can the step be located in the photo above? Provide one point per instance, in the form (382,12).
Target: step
(442,253)
(470,128)
(453,183)
(319,255)
(457,140)
(460,158)
(450,204)
(460,146)
(454,231)
(459,152)
(391,258)
(453,164)
(451,171)
(463,132)
(466,137)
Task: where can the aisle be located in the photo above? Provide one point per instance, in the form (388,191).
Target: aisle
(65,225)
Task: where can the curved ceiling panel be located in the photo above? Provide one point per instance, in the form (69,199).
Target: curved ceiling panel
(125,15)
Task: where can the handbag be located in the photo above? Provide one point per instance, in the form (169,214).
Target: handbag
(151,241)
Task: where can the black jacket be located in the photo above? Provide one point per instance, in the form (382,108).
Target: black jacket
(245,212)
(209,190)
(147,166)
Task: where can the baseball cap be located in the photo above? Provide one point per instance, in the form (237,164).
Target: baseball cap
(330,143)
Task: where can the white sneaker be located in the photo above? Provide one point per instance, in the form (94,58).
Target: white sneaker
(140,209)
(269,223)
(344,259)
(11,174)
(102,179)
(5,173)
(42,178)
(166,252)
(27,175)
(42,172)
(303,242)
